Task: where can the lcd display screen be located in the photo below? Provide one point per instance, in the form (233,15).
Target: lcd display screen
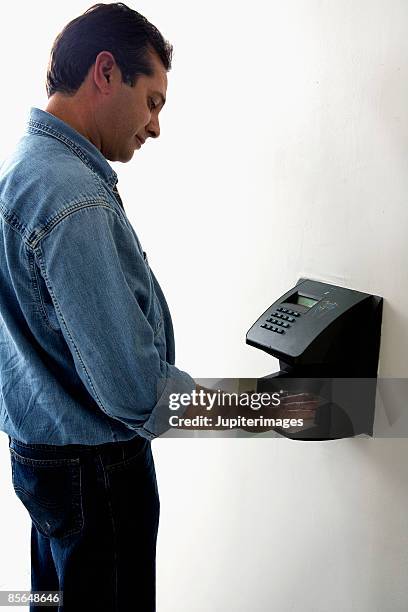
(305,301)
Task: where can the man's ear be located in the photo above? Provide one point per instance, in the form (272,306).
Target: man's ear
(104,65)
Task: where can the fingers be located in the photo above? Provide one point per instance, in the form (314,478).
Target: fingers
(299,397)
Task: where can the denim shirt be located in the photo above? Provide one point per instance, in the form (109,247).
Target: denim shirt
(86,339)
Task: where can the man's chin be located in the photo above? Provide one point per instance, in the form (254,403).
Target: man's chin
(123,157)
(129,156)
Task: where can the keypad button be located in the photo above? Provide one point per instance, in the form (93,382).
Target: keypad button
(275,323)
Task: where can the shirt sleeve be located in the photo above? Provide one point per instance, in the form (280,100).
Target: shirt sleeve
(103,294)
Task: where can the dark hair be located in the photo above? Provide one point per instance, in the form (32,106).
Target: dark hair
(105,27)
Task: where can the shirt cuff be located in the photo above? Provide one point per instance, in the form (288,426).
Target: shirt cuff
(177,382)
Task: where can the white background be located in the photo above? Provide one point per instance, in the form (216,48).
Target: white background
(283,153)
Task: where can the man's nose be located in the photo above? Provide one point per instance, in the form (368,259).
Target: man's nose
(153,129)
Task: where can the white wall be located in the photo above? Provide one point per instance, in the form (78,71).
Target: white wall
(283,153)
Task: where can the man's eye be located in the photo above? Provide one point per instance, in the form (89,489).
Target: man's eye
(152,104)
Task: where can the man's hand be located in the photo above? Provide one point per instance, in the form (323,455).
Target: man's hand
(292,406)
(283,417)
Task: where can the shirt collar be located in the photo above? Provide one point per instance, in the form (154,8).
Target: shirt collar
(41,121)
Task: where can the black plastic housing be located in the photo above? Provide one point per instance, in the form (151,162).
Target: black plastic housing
(329,348)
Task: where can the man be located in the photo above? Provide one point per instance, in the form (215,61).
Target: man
(86,340)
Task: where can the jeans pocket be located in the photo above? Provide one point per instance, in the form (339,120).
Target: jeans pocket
(50,490)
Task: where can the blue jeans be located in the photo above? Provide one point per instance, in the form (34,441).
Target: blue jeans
(95,515)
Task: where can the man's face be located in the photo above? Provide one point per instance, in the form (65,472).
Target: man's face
(129,115)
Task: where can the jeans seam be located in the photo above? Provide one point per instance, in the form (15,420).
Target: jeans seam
(53,463)
(115,560)
(124,462)
(77,448)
